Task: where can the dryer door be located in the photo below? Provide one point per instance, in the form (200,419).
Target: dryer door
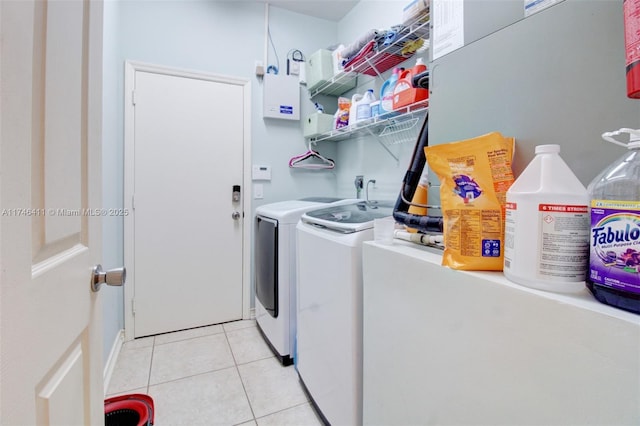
(266,264)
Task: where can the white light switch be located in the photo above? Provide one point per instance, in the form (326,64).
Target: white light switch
(258,191)
(259,172)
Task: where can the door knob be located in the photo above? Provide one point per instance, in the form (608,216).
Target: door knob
(116,277)
(235,215)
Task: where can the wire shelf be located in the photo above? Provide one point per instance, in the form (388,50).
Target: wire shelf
(399,132)
(372,127)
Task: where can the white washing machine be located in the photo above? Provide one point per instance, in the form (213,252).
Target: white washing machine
(329,336)
(275,270)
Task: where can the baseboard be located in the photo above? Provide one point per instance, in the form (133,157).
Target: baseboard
(252,313)
(113,357)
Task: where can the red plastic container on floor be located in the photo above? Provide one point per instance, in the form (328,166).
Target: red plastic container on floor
(134,409)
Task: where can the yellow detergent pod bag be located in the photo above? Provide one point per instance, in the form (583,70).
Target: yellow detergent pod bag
(475,175)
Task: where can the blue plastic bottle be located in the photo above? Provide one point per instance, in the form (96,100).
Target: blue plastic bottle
(386,91)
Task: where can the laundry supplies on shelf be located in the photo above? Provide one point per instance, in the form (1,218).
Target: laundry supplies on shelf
(404,92)
(341,117)
(386,91)
(360,110)
(372,53)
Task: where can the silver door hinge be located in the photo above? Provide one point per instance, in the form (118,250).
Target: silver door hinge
(133,306)
(133,97)
(133,202)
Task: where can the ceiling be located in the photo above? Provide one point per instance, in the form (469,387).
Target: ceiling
(332,10)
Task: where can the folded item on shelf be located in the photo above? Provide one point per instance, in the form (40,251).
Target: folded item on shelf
(353,48)
(394,33)
(359,55)
(411,46)
(383,61)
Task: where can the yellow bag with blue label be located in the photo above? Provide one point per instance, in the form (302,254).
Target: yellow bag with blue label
(475,175)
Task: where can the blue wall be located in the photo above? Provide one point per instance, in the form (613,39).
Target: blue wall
(220,37)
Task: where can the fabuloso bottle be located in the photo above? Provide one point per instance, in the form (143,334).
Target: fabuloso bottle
(614,258)
(547,225)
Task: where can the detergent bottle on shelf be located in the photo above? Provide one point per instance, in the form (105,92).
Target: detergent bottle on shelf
(363,111)
(353,110)
(403,92)
(404,82)
(418,68)
(386,91)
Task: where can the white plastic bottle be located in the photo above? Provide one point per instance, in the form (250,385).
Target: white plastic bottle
(547,225)
(353,110)
(363,110)
(614,262)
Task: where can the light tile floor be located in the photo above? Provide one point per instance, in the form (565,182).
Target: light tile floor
(219,375)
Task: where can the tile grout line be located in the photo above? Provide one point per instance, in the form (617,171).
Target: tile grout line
(190,376)
(285,409)
(235,363)
(153,349)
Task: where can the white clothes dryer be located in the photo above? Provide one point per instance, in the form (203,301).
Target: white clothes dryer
(275,270)
(329,335)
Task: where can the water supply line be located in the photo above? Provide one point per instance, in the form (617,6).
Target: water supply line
(366,193)
(410,183)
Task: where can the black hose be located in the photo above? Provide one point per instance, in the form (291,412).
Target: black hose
(423,223)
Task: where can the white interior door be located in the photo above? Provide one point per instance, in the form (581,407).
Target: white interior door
(50,80)
(186,269)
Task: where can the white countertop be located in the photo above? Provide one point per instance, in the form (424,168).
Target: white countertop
(442,346)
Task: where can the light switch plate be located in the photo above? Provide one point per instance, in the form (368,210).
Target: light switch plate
(258,191)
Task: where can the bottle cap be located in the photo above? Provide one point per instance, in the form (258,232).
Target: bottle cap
(548,149)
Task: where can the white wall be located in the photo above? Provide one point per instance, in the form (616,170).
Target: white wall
(220,37)
(112,181)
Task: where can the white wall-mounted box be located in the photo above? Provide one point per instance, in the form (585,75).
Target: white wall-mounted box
(317,124)
(320,71)
(281,97)
(260,172)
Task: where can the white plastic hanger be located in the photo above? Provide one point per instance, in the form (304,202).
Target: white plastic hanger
(296,162)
